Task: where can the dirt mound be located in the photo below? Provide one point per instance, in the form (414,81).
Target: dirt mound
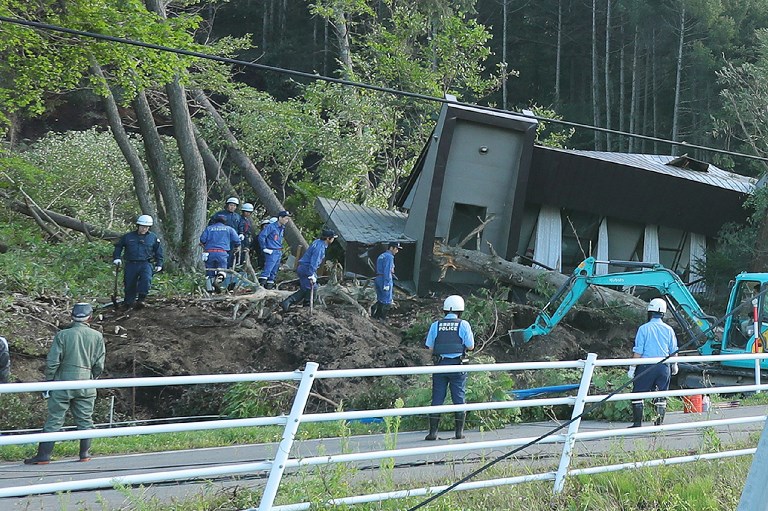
(175,337)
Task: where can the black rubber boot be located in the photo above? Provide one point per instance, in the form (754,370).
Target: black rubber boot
(384,311)
(661,410)
(270,285)
(375,310)
(263,282)
(140,301)
(458,420)
(85,446)
(295,297)
(434,422)
(43,456)
(637,415)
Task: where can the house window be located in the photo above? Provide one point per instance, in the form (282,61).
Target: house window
(465,218)
(580,232)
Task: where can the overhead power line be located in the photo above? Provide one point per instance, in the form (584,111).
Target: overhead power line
(363,85)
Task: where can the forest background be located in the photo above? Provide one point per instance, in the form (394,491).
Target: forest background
(100,131)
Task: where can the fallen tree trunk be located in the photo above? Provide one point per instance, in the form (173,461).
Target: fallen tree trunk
(496,268)
(63,220)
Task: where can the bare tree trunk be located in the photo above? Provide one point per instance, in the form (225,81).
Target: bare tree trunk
(195,190)
(608,138)
(678,80)
(654,90)
(341,27)
(252,175)
(496,268)
(504,63)
(622,89)
(646,99)
(170,207)
(633,102)
(559,51)
(595,82)
(213,172)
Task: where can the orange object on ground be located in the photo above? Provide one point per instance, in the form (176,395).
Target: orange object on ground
(692,404)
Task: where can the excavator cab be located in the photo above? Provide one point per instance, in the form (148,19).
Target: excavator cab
(739,329)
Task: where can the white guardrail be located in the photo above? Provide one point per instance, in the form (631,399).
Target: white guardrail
(282,461)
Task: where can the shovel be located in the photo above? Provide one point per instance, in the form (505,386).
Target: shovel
(114,293)
(311,298)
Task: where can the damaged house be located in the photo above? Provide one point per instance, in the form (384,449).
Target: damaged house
(552,207)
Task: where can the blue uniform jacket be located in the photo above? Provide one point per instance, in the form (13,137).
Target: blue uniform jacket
(234,220)
(219,237)
(385,267)
(139,248)
(314,255)
(272,236)
(655,339)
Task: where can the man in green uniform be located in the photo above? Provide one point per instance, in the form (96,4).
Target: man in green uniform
(77,353)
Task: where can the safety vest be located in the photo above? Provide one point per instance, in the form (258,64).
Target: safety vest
(448,340)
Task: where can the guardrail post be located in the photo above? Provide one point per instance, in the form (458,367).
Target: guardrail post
(291,427)
(573,428)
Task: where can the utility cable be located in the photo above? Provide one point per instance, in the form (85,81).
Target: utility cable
(587,409)
(363,85)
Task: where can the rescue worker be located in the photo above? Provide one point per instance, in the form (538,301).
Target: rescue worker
(448,340)
(143,253)
(5,361)
(77,353)
(384,281)
(256,247)
(653,339)
(307,268)
(246,211)
(234,220)
(217,240)
(271,243)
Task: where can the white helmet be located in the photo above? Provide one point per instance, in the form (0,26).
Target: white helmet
(453,303)
(246,207)
(657,305)
(145,220)
(233,200)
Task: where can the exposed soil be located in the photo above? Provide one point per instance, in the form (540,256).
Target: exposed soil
(174,337)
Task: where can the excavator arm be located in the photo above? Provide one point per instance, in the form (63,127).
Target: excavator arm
(684,306)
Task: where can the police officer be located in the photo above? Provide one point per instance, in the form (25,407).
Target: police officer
(217,240)
(307,268)
(271,243)
(653,339)
(5,361)
(385,273)
(142,249)
(448,340)
(234,220)
(77,353)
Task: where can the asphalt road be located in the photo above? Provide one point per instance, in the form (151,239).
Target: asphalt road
(412,468)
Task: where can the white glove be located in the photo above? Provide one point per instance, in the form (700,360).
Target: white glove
(674,369)
(158,269)
(117,262)
(386,288)
(313,278)
(268,250)
(204,256)
(631,371)
(46,394)
(241,236)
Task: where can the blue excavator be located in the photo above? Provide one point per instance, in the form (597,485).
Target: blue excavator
(736,335)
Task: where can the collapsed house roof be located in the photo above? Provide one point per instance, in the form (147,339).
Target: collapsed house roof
(362,224)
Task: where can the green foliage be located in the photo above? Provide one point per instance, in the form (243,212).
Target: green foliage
(22,411)
(257,399)
(484,311)
(81,174)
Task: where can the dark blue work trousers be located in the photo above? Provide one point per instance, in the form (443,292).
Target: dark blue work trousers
(137,279)
(442,381)
(651,378)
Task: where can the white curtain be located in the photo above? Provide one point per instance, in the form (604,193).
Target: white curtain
(651,244)
(698,258)
(601,254)
(549,238)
